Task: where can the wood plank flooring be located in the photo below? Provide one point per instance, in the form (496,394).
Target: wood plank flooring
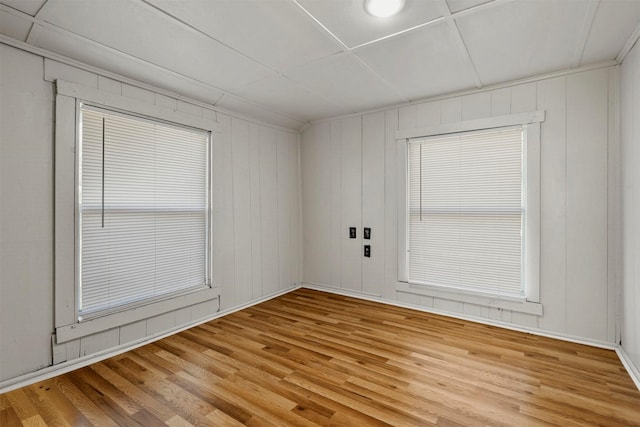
(310,358)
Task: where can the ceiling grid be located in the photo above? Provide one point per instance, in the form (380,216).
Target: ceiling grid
(298,61)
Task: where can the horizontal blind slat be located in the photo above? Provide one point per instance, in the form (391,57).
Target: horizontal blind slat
(466,211)
(155,210)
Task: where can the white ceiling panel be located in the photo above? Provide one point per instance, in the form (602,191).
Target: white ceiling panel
(523,38)
(291,61)
(290,98)
(348,20)
(606,40)
(458,5)
(30,7)
(346,82)
(14,26)
(274,33)
(249,109)
(139,30)
(106,59)
(421,63)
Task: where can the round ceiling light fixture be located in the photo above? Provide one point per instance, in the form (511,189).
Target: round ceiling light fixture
(383,8)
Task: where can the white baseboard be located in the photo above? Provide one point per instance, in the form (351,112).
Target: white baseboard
(628,364)
(62,368)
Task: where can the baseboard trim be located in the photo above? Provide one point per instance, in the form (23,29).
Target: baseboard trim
(491,322)
(64,367)
(628,364)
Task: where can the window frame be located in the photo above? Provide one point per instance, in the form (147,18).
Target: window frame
(85,105)
(530,123)
(69,97)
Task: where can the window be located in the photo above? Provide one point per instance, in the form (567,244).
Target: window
(133,211)
(469,216)
(143,210)
(466,211)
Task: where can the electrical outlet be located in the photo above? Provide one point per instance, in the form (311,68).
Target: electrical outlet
(367,233)
(367,251)
(352,232)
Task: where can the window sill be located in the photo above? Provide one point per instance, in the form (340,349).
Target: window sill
(114,320)
(471,298)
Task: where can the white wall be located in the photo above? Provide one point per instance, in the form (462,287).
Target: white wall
(256,224)
(630,136)
(349,175)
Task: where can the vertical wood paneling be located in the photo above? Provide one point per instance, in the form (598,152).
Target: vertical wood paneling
(336,232)
(161,323)
(428,114)
(501,102)
(284,213)
(241,210)
(316,202)
(98,342)
(523,98)
(573,255)
(373,196)
(407,117)
(351,201)
(587,204)
(633,291)
(294,210)
(269,209)
(476,310)
(223,227)
(614,216)
(26,214)
(630,135)
(256,225)
(108,85)
(451,110)
(138,93)
(27,312)
(627,91)
(390,207)
(64,198)
(132,331)
(553,200)
(54,70)
(476,106)
(446,305)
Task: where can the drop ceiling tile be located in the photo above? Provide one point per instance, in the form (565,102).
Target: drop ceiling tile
(345,81)
(348,20)
(106,59)
(286,96)
(142,31)
(275,33)
(30,7)
(421,63)
(14,26)
(606,39)
(458,5)
(522,38)
(257,112)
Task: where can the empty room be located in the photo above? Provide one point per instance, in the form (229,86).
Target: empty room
(320,213)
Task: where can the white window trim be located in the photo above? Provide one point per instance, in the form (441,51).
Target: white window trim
(66,316)
(531,126)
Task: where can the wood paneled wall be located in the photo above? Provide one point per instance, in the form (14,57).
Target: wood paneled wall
(349,177)
(630,136)
(256,218)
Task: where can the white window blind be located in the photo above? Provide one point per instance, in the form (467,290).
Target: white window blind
(466,211)
(144,210)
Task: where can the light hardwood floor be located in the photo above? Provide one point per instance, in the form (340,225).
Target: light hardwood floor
(310,358)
